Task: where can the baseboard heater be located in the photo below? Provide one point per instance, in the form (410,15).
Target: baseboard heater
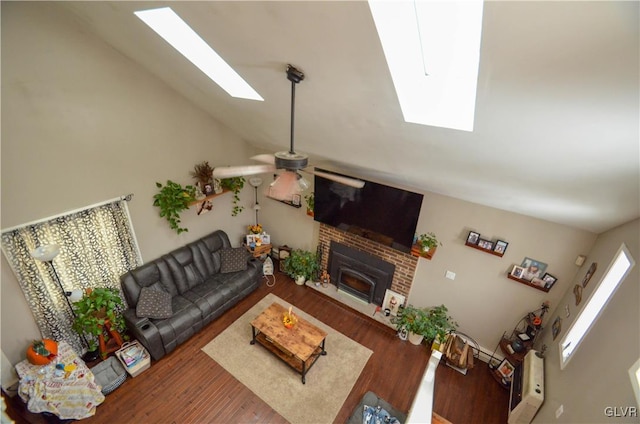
(527,389)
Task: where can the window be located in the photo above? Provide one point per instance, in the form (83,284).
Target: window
(613,276)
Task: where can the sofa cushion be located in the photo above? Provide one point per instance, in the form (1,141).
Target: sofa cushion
(154,304)
(233,260)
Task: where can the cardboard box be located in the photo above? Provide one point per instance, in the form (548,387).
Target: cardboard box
(134,358)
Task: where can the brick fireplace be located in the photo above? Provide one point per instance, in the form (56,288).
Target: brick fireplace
(405,263)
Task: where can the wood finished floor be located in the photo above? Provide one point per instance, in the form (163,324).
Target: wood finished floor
(187,386)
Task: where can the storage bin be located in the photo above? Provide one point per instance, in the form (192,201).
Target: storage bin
(136,352)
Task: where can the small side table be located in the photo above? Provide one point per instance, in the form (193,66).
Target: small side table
(258,251)
(72,395)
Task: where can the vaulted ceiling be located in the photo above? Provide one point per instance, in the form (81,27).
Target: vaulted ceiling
(556,131)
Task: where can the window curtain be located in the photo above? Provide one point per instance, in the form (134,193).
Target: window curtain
(97,246)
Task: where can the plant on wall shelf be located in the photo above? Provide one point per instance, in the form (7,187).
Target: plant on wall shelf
(234,184)
(310,200)
(172,200)
(203,173)
(428,241)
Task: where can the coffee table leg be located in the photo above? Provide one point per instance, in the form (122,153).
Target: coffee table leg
(253,335)
(324,352)
(304,372)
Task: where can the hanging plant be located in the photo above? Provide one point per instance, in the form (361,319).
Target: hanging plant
(234,184)
(172,200)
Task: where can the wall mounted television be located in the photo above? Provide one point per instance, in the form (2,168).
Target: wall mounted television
(377,212)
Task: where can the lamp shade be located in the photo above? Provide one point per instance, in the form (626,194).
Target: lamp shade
(45,253)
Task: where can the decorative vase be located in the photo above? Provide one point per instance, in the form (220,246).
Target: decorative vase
(300,279)
(415,339)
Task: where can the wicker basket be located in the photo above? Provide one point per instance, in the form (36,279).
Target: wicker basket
(109,374)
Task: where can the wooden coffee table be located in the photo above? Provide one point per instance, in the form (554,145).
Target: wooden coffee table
(300,346)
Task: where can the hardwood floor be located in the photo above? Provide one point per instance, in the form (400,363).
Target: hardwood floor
(187,386)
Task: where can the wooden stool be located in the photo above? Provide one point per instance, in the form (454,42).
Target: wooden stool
(114,343)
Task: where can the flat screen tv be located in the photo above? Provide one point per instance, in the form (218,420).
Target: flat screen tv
(377,212)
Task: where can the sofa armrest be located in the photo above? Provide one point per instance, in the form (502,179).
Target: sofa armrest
(146,332)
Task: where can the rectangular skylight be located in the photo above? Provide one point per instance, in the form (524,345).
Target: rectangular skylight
(433,53)
(168,25)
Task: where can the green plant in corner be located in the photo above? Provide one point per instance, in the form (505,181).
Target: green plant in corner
(301,263)
(234,184)
(428,241)
(428,322)
(95,308)
(172,200)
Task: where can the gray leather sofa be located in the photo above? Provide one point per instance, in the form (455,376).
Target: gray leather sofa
(189,287)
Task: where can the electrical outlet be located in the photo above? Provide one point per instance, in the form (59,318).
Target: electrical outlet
(450,275)
(559,411)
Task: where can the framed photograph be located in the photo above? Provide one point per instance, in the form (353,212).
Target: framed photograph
(500,247)
(549,280)
(251,238)
(517,271)
(532,269)
(485,244)
(266,238)
(537,282)
(295,200)
(556,327)
(589,274)
(506,369)
(473,237)
(392,301)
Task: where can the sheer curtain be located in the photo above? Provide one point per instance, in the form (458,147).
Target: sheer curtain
(97,246)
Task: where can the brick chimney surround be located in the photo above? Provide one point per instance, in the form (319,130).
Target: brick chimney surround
(405,263)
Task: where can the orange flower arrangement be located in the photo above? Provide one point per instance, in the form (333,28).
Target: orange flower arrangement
(289,319)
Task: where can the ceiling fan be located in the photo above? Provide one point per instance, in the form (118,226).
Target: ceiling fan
(289,181)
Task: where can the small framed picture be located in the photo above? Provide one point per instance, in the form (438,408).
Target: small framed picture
(556,327)
(473,237)
(266,238)
(500,247)
(251,238)
(295,200)
(517,271)
(549,280)
(589,274)
(392,301)
(533,268)
(506,369)
(485,244)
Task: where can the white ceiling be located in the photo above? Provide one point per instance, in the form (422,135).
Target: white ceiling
(557,114)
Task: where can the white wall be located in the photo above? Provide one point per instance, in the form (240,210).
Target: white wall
(82,124)
(596,377)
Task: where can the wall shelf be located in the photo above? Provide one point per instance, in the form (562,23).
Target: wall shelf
(209,197)
(475,246)
(527,283)
(417,251)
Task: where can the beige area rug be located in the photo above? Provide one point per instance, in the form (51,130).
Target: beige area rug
(328,382)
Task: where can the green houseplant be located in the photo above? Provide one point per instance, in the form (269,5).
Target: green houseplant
(425,323)
(172,200)
(234,184)
(95,308)
(428,241)
(310,200)
(301,265)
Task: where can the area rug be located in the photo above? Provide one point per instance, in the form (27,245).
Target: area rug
(328,382)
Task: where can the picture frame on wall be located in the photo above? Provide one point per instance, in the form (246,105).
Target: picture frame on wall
(485,244)
(500,247)
(589,274)
(517,271)
(473,237)
(532,269)
(506,369)
(549,280)
(556,327)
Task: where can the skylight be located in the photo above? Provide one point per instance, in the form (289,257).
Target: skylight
(168,25)
(433,53)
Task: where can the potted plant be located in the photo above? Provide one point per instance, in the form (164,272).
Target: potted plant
(301,265)
(172,200)
(425,323)
(234,184)
(203,174)
(310,200)
(428,241)
(96,307)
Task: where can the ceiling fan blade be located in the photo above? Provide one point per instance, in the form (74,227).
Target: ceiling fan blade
(265,158)
(351,182)
(241,171)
